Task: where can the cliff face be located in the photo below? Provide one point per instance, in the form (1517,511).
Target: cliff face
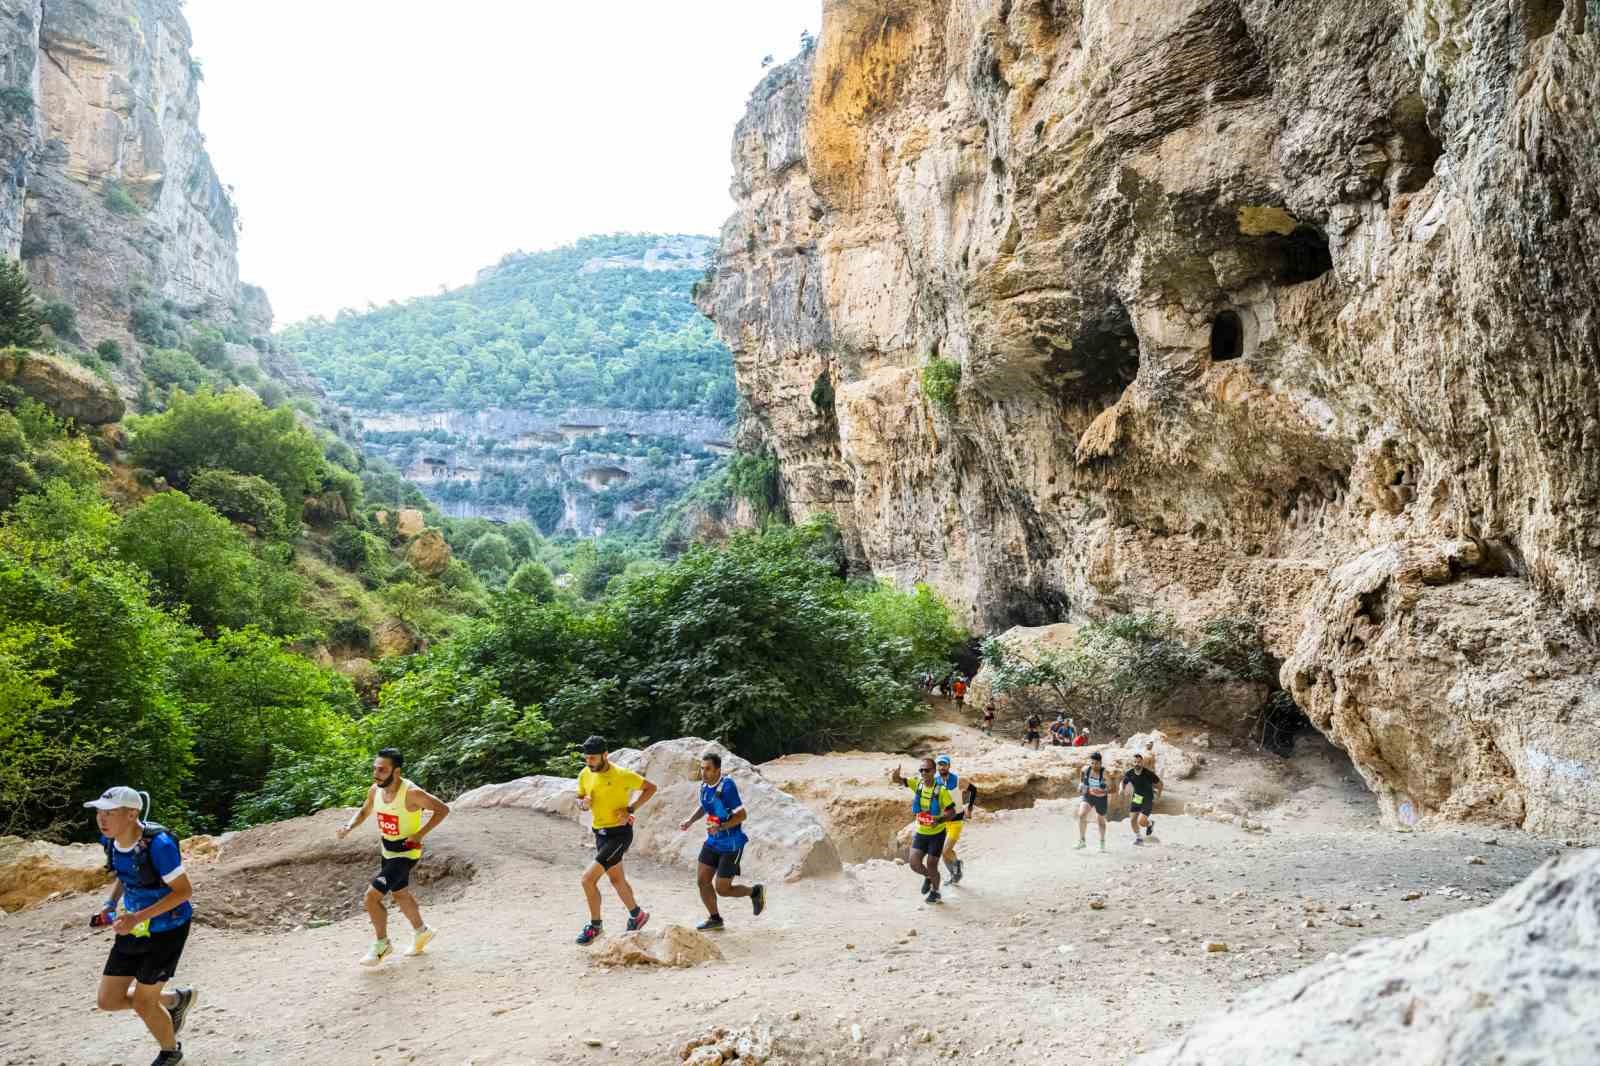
(1264,307)
(121,201)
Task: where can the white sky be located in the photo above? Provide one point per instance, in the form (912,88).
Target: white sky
(380,148)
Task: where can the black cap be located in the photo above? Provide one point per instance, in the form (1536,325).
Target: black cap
(594,746)
(1095,757)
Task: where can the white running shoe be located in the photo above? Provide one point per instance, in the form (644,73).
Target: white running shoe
(376,953)
(420,941)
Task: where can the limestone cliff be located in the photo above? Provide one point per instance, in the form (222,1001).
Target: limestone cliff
(1267,307)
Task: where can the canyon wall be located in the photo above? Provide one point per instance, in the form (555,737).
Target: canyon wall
(1265,308)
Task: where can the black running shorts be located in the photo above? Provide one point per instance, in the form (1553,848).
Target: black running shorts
(150,960)
(932,843)
(726,862)
(1146,808)
(1097,802)
(610,845)
(394,874)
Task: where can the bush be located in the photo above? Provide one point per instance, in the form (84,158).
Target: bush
(118,201)
(209,348)
(148,322)
(20,323)
(16,101)
(109,350)
(490,553)
(534,580)
(940,380)
(175,368)
(756,479)
(351,633)
(354,549)
(60,317)
(243,498)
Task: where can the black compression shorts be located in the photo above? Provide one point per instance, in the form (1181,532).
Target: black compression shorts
(932,843)
(1097,802)
(610,845)
(150,960)
(726,863)
(395,874)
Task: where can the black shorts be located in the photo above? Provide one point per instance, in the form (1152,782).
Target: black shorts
(1033,734)
(932,843)
(1097,802)
(726,862)
(150,960)
(395,874)
(1145,809)
(610,845)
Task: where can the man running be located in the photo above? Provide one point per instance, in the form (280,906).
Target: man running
(154,924)
(1033,732)
(934,808)
(725,840)
(988,718)
(1092,787)
(606,790)
(952,829)
(1145,785)
(399,804)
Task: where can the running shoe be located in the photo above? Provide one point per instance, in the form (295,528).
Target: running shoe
(591,933)
(758,898)
(377,953)
(167,1058)
(180,1010)
(927,885)
(713,922)
(1149,828)
(1080,845)
(636,921)
(420,941)
(955,878)
(1102,845)
(934,897)
(1137,841)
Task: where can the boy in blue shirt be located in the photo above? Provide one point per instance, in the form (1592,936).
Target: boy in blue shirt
(724,813)
(154,924)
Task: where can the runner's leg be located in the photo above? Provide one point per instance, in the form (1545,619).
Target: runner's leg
(378,913)
(147,1004)
(624,890)
(708,895)
(726,887)
(408,907)
(591,888)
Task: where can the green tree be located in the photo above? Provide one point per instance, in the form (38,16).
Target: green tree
(490,554)
(20,323)
(243,498)
(40,765)
(534,580)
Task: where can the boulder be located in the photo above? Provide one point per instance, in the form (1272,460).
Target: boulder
(31,870)
(673,946)
(67,389)
(1028,642)
(428,553)
(787,840)
(1172,762)
(391,637)
(1506,983)
(408,521)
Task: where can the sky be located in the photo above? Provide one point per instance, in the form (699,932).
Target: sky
(379,149)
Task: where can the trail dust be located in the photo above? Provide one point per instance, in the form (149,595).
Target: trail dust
(1016,966)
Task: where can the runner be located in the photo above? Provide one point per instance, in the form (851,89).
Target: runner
(154,924)
(959,689)
(952,829)
(988,718)
(725,840)
(607,790)
(1092,787)
(1145,785)
(399,804)
(1033,732)
(933,807)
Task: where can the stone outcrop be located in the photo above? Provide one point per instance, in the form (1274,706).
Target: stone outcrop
(31,870)
(67,389)
(1509,983)
(1272,309)
(675,946)
(787,841)
(429,553)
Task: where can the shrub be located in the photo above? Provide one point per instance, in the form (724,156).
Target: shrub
(16,101)
(208,346)
(148,322)
(243,498)
(175,368)
(60,317)
(940,380)
(354,549)
(118,201)
(756,479)
(534,580)
(20,323)
(109,350)
(351,633)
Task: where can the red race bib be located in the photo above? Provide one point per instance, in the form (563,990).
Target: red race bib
(713,822)
(388,825)
(924,818)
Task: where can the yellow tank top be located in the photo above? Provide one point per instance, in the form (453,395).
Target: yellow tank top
(395,822)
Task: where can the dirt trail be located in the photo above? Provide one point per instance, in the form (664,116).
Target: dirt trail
(1014,965)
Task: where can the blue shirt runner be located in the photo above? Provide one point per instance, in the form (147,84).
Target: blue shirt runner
(168,862)
(719,801)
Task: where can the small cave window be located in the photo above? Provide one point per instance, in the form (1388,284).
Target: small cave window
(1306,256)
(1227,337)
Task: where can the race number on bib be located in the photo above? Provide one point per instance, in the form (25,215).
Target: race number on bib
(1138,798)
(388,824)
(924,818)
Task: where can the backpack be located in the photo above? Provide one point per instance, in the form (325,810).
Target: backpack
(144,866)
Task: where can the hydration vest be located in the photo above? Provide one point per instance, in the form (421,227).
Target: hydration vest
(916,798)
(144,866)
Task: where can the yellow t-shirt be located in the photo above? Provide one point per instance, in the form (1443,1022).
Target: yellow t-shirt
(928,823)
(608,793)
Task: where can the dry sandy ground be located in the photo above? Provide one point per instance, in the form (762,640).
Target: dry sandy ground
(1015,967)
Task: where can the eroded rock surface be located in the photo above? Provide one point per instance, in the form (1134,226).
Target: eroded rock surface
(1273,309)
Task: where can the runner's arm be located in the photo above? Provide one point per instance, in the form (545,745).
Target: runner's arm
(426,801)
(646,789)
(361,816)
(736,818)
(182,892)
(699,813)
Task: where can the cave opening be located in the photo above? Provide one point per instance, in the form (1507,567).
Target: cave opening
(1101,360)
(1227,337)
(1306,256)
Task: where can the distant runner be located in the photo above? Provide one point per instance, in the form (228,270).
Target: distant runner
(933,807)
(725,816)
(1092,787)
(154,924)
(952,829)
(607,790)
(399,804)
(988,718)
(1033,732)
(1145,786)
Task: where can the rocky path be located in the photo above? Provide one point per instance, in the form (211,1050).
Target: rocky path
(1017,966)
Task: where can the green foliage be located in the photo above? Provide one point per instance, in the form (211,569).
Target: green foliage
(109,350)
(39,765)
(118,201)
(534,580)
(491,554)
(536,333)
(148,322)
(351,633)
(231,431)
(756,479)
(1234,646)
(209,347)
(200,561)
(941,378)
(35,450)
(16,102)
(176,369)
(60,317)
(355,550)
(243,498)
(20,323)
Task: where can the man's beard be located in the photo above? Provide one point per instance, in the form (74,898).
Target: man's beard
(386,782)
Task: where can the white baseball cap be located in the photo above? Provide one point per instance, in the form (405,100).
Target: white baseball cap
(120,796)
